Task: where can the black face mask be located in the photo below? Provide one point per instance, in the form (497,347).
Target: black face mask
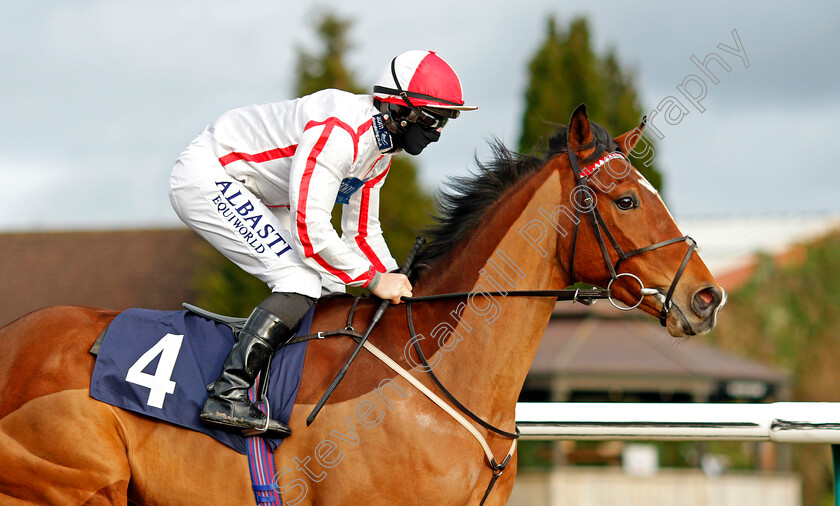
(416,138)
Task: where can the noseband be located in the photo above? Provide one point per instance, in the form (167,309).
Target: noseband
(598,223)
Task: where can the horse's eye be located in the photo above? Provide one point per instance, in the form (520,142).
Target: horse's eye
(625,203)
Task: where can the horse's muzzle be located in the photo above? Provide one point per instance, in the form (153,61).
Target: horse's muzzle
(705,302)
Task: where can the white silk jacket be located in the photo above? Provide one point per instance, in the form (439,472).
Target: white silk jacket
(306,155)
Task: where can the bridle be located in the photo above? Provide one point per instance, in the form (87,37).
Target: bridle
(598,224)
(588,207)
(586,296)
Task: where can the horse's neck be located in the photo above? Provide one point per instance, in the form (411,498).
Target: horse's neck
(499,335)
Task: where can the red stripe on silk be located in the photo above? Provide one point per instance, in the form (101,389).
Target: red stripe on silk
(329,123)
(311,162)
(374,166)
(265,156)
(323,263)
(364,213)
(368,276)
(363,128)
(300,219)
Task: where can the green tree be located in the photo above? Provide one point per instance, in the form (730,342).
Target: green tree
(786,315)
(566,72)
(326,68)
(404,206)
(223,287)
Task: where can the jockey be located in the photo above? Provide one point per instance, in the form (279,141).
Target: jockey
(260,184)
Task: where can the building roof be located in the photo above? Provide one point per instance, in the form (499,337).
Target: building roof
(601,349)
(729,244)
(111,269)
(607,342)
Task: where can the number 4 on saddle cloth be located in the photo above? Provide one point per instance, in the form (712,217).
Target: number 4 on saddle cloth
(159,363)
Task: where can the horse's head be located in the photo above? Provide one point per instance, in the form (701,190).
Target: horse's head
(626,239)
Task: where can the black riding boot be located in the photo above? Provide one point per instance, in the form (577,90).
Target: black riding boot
(228,406)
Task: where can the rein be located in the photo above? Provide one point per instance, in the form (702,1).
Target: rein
(449,395)
(584,296)
(348,330)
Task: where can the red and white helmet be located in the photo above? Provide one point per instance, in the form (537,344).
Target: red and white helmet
(421,79)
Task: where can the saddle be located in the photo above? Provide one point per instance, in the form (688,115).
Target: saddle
(234,323)
(159,363)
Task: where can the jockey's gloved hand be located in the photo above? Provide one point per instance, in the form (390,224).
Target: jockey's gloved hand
(392,286)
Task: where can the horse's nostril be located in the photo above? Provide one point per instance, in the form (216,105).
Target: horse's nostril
(706,300)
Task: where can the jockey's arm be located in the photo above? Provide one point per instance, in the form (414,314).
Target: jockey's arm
(322,156)
(361,229)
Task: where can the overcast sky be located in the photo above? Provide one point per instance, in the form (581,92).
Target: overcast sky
(99,98)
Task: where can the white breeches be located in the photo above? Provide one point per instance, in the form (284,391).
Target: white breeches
(231,218)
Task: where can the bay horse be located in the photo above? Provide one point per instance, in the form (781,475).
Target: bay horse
(519,223)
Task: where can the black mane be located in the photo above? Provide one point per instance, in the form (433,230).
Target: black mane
(462,202)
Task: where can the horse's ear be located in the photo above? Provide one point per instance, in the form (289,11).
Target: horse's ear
(580,132)
(626,142)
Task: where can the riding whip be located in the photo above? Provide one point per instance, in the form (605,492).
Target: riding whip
(418,243)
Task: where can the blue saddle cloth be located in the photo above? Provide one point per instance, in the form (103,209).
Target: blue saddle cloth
(159,363)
